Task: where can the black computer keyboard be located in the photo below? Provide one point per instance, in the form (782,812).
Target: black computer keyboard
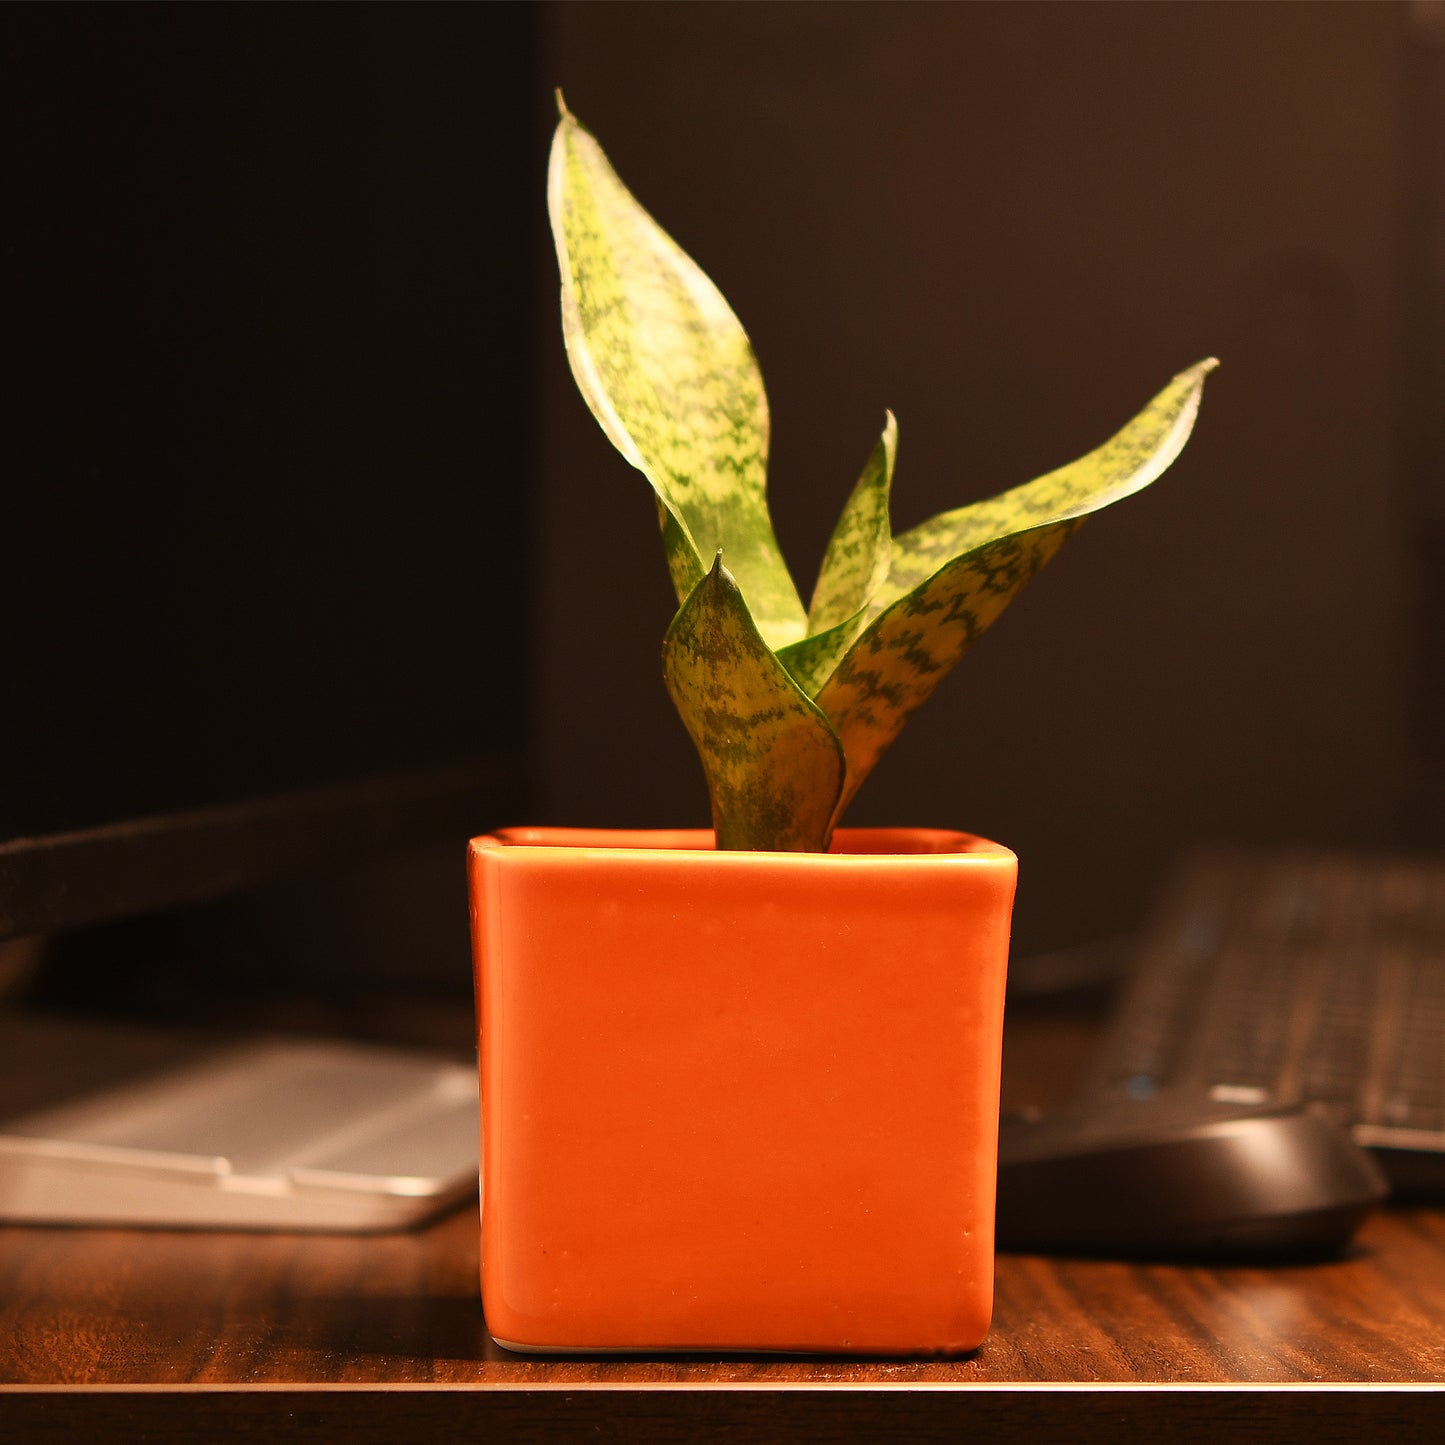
(1318,979)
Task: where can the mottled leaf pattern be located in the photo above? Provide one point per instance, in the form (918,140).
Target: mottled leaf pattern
(774,768)
(1125,464)
(811,661)
(953,576)
(905,653)
(859,553)
(790,711)
(855,567)
(670,374)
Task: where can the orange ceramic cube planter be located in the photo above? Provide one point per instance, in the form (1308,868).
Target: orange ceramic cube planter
(739,1101)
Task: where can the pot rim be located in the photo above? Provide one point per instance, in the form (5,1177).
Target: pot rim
(886,844)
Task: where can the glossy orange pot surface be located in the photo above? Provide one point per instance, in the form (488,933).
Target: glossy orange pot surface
(739,1100)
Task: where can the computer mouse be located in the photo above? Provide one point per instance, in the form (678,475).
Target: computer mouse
(1181,1177)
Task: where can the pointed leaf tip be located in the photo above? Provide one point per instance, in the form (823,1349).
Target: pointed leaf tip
(562,112)
(857,560)
(774,768)
(951,577)
(670,375)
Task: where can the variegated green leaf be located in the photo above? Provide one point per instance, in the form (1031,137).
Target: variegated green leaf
(952,577)
(811,661)
(859,552)
(670,374)
(774,768)
(1125,464)
(854,567)
(906,651)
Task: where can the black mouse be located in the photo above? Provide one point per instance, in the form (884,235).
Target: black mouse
(1181,1177)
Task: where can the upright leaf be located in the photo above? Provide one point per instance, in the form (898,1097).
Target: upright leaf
(670,374)
(952,577)
(859,552)
(774,768)
(855,566)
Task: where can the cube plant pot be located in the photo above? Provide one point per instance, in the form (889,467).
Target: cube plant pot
(739,1101)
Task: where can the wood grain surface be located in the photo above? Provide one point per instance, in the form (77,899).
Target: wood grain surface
(170,1335)
(178,1336)
(94,1307)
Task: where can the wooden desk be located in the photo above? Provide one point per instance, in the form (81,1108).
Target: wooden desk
(127,1334)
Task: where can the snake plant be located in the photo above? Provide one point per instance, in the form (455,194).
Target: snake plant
(790,706)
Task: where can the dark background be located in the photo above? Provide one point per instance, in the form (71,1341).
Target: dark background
(298,487)
(1012,224)
(271,318)
(273,279)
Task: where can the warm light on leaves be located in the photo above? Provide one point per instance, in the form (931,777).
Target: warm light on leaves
(789,710)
